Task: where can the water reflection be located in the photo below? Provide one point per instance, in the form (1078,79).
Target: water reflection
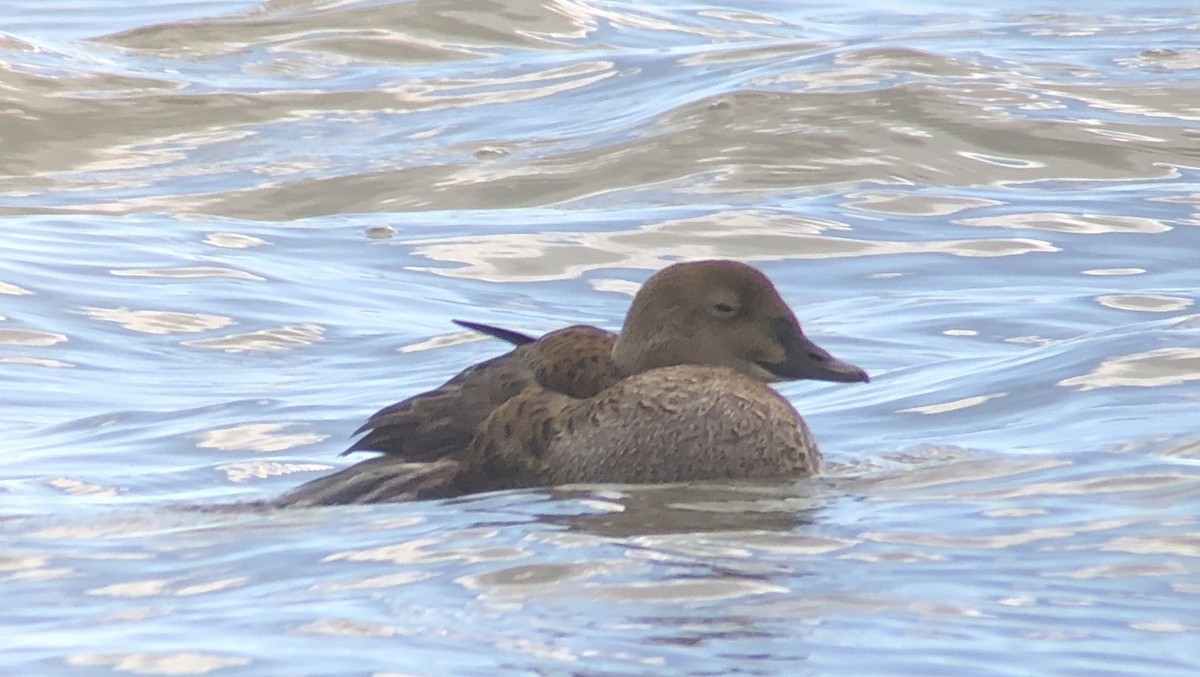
(266,340)
(188,272)
(1151,369)
(157,321)
(233,240)
(916,205)
(29,337)
(1086,224)
(169,663)
(753,236)
(262,437)
(1146,303)
(690,508)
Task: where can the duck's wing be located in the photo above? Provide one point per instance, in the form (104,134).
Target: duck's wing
(441,422)
(510,447)
(575,361)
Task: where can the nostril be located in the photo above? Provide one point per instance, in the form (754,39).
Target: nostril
(816,357)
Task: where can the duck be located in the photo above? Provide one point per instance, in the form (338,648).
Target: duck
(680,394)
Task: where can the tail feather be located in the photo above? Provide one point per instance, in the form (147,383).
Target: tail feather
(514,337)
(378,480)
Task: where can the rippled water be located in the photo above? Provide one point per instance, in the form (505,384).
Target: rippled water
(230,231)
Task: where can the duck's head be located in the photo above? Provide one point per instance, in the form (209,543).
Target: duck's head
(721,313)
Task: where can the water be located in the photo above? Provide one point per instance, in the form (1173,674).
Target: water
(233,230)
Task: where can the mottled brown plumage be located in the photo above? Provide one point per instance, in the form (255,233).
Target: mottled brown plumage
(679,395)
(442,421)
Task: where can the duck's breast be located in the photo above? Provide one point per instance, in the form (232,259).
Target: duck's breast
(682,423)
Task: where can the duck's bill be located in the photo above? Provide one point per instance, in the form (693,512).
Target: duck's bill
(805,359)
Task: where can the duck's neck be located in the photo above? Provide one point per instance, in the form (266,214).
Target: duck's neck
(634,354)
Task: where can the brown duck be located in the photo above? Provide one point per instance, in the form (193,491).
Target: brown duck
(679,395)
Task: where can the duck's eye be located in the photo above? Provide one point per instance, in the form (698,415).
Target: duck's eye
(723,309)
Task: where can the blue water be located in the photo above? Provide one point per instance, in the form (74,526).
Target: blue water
(231,231)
